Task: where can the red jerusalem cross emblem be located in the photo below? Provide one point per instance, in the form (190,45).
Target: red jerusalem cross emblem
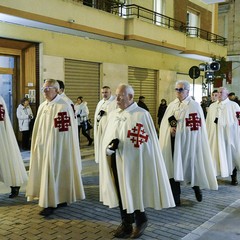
(137,135)
(238,117)
(62,122)
(2,112)
(194,122)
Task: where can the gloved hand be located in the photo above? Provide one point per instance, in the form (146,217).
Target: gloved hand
(113,145)
(100,114)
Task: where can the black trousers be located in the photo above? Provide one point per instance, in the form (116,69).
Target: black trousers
(25,140)
(84,133)
(127,218)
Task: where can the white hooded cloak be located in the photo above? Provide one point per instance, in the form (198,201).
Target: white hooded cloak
(12,169)
(192,160)
(55,162)
(107,106)
(142,175)
(224,137)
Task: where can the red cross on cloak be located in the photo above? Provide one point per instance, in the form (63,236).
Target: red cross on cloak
(137,135)
(194,122)
(62,122)
(2,112)
(238,117)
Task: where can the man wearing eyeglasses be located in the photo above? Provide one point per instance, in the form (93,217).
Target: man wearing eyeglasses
(55,162)
(223,125)
(184,142)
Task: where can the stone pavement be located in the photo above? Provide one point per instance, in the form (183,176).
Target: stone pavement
(217,217)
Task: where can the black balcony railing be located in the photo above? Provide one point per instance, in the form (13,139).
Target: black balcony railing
(133,10)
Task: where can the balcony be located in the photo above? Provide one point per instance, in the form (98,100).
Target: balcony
(135,11)
(115,22)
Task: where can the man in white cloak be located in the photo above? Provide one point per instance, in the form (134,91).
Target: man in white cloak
(135,176)
(104,107)
(12,169)
(223,125)
(55,162)
(184,143)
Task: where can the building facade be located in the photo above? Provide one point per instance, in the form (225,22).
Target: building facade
(87,44)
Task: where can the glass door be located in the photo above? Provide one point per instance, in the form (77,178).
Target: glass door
(6,79)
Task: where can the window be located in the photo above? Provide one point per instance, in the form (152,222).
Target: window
(159,8)
(193,23)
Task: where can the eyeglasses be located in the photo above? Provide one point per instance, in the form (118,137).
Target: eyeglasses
(179,89)
(43,89)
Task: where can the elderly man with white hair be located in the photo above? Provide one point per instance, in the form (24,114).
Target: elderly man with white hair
(223,125)
(184,143)
(134,177)
(55,162)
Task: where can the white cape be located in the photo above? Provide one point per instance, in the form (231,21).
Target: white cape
(12,169)
(107,106)
(142,174)
(224,137)
(55,163)
(192,161)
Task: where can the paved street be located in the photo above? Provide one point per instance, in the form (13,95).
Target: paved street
(217,217)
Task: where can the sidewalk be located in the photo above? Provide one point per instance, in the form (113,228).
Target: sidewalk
(216,218)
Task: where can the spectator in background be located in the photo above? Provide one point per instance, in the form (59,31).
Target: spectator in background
(82,113)
(161,110)
(204,105)
(233,97)
(25,116)
(141,103)
(12,170)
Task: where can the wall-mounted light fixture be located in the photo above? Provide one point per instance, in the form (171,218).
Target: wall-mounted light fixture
(71,21)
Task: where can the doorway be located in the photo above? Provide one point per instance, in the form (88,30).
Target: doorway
(6,82)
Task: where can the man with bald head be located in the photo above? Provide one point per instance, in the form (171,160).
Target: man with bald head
(134,177)
(223,125)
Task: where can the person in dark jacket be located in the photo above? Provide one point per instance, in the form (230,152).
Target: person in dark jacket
(141,103)
(161,110)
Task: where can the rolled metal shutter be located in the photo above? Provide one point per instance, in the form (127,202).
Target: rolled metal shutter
(144,82)
(82,79)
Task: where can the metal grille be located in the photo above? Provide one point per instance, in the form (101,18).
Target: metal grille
(144,82)
(82,79)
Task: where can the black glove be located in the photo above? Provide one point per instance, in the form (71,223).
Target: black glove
(172,121)
(113,145)
(100,114)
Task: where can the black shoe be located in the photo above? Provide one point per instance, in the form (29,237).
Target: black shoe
(14,192)
(138,230)
(198,193)
(90,142)
(47,211)
(60,205)
(123,231)
(234,181)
